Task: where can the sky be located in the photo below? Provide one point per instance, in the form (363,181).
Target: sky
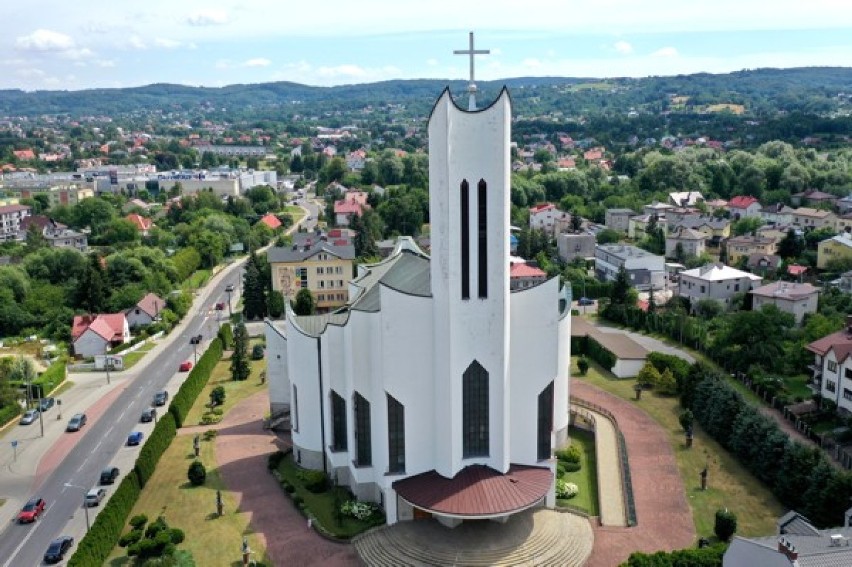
(50,45)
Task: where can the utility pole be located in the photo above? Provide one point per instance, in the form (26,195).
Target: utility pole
(106,362)
(195,341)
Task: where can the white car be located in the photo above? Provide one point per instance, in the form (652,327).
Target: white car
(94,496)
(29,417)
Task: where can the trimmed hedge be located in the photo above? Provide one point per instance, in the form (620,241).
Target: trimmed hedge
(9,413)
(47,381)
(154,448)
(599,354)
(195,382)
(226,333)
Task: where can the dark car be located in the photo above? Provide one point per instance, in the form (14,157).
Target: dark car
(31,510)
(585,301)
(220,306)
(135,438)
(77,422)
(160,398)
(58,548)
(109,474)
(46,403)
(148,415)
(229,288)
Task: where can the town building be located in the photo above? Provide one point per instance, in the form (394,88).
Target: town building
(436,391)
(11,217)
(685,243)
(353,203)
(146,311)
(658,209)
(549,218)
(807,218)
(57,234)
(618,219)
(778,213)
(763,264)
(814,198)
(638,226)
(96,334)
(523,275)
(798,299)
(743,206)
(747,244)
(142,224)
(832,367)
(715,281)
(685,198)
(323,266)
(714,230)
(645,270)
(570,246)
(837,247)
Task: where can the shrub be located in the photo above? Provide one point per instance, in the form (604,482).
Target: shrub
(257,352)
(560,469)
(197,474)
(726,524)
(136,522)
(210,434)
(358,510)
(289,488)
(226,334)
(130,538)
(566,489)
(298,500)
(686,419)
(649,376)
(177,536)
(217,396)
(274,460)
(313,481)
(570,454)
(572,467)
(583,365)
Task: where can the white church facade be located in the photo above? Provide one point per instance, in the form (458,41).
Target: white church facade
(436,390)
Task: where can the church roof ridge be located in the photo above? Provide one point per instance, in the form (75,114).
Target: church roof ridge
(504,91)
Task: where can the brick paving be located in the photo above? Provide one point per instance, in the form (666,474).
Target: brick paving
(242,447)
(664,516)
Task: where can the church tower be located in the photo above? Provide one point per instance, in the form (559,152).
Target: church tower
(469,187)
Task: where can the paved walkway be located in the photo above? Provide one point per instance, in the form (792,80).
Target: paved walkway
(242,447)
(664,516)
(610,487)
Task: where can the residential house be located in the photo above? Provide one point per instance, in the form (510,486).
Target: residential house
(798,299)
(575,245)
(743,206)
(716,204)
(715,281)
(677,214)
(146,311)
(637,226)
(808,219)
(142,224)
(835,248)
(844,283)
(778,213)
(685,198)
(271,221)
(763,264)
(549,218)
(645,270)
(96,334)
(832,367)
(747,244)
(844,205)
(714,230)
(618,219)
(522,276)
(659,209)
(685,242)
(320,265)
(353,203)
(24,155)
(10,221)
(815,198)
(355,160)
(798,544)
(843,223)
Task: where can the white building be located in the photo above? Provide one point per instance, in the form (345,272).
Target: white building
(570,246)
(644,269)
(10,220)
(832,367)
(549,218)
(715,281)
(798,299)
(96,334)
(618,219)
(435,390)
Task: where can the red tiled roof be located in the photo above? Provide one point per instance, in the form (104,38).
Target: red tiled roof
(542,207)
(840,342)
(521,270)
(347,208)
(141,222)
(477,490)
(741,202)
(7,209)
(110,326)
(271,221)
(151,304)
(796,270)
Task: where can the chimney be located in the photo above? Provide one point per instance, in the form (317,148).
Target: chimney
(788,549)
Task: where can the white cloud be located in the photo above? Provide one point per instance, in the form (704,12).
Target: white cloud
(623,47)
(342,71)
(211,17)
(106,63)
(166,43)
(258,62)
(135,42)
(432,62)
(45,40)
(531,62)
(665,52)
(223,64)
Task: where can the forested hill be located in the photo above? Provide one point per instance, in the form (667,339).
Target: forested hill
(819,90)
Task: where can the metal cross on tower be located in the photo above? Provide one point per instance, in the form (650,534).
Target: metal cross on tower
(471,88)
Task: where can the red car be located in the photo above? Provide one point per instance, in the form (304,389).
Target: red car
(185,366)
(31,511)
(220,307)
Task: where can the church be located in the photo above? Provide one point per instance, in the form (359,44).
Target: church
(437,391)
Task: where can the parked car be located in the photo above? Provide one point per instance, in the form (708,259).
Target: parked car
(31,510)
(94,496)
(585,301)
(135,438)
(58,548)
(29,416)
(185,366)
(220,306)
(77,422)
(229,288)
(160,398)
(46,403)
(148,415)
(109,474)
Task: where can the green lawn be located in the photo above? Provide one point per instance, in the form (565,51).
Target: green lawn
(234,391)
(196,280)
(586,478)
(797,387)
(730,484)
(322,505)
(132,358)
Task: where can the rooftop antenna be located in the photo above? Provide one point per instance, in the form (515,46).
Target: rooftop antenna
(471,52)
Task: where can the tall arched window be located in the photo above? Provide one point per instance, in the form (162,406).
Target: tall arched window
(464,209)
(338,422)
(475,411)
(363,435)
(545,421)
(482,235)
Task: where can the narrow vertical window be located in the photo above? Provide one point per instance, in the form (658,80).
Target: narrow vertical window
(475,411)
(396,436)
(338,422)
(465,239)
(363,440)
(482,225)
(545,421)
(294,415)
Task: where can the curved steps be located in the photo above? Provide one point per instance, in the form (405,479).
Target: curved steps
(535,537)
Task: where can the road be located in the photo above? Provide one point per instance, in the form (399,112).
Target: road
(102,440)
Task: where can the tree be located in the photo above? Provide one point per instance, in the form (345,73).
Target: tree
(791,246)
(583,365)
(304,303)
(197,474)
(92,293)
(621,288)
(686,419)
(254,289)
(275,304)
(240,367)
(608,236)
(35,238)
(666,385)
(648,376)
(576,222)
(365,244)
(746,225)
(726,524)
(217,396)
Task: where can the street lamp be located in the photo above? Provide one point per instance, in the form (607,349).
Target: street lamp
(195,341)
(106,361)
(229,289)
(85,507)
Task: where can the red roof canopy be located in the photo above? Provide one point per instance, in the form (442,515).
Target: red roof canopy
(477,490)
